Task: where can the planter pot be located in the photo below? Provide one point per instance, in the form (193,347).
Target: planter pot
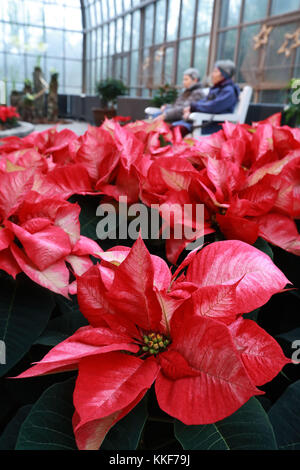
(101,113)
(21,130)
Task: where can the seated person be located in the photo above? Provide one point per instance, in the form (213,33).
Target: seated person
(222,98)
(193,91)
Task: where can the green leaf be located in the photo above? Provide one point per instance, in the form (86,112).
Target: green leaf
(252,315)
(87,217)
(65,324)
(25,310)
(285,418)
(264,246)
(9,436)
(246,429)
(48,426)
(125,435)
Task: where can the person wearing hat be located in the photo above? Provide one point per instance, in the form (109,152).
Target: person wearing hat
(222,97)
(193,91)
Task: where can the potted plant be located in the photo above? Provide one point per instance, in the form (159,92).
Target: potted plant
(108,90)
(165,94)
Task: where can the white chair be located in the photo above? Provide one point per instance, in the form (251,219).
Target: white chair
(239,114)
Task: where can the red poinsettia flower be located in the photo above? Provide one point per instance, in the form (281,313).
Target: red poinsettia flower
(250,184)
(8,114)
(40,235)
(185,332)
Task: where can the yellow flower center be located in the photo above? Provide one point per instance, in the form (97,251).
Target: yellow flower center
(154,343)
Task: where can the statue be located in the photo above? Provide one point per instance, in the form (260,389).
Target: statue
(53,98)
(40,88)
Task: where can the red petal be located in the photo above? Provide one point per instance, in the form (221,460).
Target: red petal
(86,342)
(132,292)
(90,435)
(221,386)
(8,263)
(54,278)
(92,296)
(45,247)
(261,354)
(227,262)
(238,228)
(281,231)
(114,381)
(13,188)
(218,302)
(66,181)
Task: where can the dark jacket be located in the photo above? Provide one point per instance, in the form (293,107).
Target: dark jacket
(174,112)
(221,99)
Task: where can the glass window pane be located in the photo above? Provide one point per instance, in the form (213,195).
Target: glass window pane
(73,19)
(92,16)
(201,54)
(87,18)
(73,73)
(255,10)
(105,41)
(34,13)
(204,16)
(146,67)
(136,29)
(12,10)
(296,72)
(119,35)
(149,20)
(272,96)
(100,43)
(15,67)
(104,10)
(184,54)
(104,68)
(230,13)
(127,4)
(187,18)
(169,65)
(73,45)
(55,43)
(13,38)
(173,17)
(248,57)
(35,43)
(54,15)
(98,12)
(160,16)
(93,44)
(284,6)
(226,44)
(127,31)
(134,68)
(278,67)
(111,37)
(125,70)
(158,67)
